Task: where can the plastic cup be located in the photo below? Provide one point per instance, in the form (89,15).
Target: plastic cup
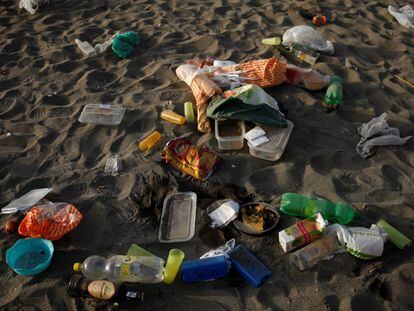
(175,258)
(189,112)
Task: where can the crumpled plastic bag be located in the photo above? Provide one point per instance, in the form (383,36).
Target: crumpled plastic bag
(404,15)
(50,221)
(124,43)
(32,6)
(309,37)
(224,250)
(222,212)
(377,132)
(361,242)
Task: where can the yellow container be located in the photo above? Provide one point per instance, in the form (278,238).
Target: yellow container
(174,260)
(149,142)
(171,116)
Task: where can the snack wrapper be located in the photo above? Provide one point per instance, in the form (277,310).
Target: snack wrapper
(198,162)
(302,233)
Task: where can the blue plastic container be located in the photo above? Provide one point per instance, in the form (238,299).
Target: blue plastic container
(30,256)
(249,267)
(204,269)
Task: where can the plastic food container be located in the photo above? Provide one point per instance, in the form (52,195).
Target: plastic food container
(271,221)
(274,148)
(230,134)
(102,114)
(30,256)
(178,217)
(205,269)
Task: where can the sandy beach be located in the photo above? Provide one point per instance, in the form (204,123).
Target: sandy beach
(45,82)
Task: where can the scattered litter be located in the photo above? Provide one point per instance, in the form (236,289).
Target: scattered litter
(113,165)
(198,162)
(395,236)
(256,218)
(222,212)
(178,217)
(404,15)
(171,116)
(12,222)
(256,136)
(102,114)
(302,53)
(302,233)
(222,251)
(50,221)
(174,261)
(271,41)
(308,37)
(229,134)
(30,256)
(405,81)
(32,6)
(333,97)
(88,50)
(377,132)
(189,112)
(26,201)
(206,269)
(123,44)
(222,63)
(150,141)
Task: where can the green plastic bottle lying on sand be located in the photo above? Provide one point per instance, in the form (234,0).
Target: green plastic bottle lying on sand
(302,206)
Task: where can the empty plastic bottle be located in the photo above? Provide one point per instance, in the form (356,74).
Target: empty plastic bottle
(334,92)
(150,141)
(122,268)
(302,206)
(171,116)
(304,54)
(86,48)
(271,41)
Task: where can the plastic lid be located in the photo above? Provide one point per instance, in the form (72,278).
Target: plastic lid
(77,266)
(278,138)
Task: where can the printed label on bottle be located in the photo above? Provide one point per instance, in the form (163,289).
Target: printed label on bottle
(105,106)
(101,289)
(126,265)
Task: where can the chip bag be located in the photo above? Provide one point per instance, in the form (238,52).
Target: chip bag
(50,221)
(198,162)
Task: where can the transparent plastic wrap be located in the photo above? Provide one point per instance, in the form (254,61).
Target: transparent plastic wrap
(404,15)
(309,37)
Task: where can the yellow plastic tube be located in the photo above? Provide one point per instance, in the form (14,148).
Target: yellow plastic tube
(171,116)
(174,260)
(150,141)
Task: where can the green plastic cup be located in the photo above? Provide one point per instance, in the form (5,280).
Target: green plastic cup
(175,258)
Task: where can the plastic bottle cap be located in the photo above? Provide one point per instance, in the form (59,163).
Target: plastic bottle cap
(77,266)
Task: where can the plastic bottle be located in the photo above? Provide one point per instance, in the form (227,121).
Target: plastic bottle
(271,41)
(302,206)
(333,95)
(189,112)
(80,286)
(311,254)
(102,47)
(149,142)
(86,48)
(175,258)
(304,54)
(171,116)
(122,268)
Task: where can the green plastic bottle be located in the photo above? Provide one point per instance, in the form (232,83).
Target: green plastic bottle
(302,206)
(334,92)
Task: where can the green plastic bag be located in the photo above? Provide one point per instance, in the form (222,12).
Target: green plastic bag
(123,44)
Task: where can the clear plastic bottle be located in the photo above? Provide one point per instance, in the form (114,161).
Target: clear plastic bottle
(311,254)
(86,48)
(120,268)
(304,54)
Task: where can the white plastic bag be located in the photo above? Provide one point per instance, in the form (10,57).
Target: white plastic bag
(309,37)
(32,6)
(404,15)
(222,251)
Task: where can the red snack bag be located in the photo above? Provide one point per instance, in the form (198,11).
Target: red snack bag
(50,221)
(198,162)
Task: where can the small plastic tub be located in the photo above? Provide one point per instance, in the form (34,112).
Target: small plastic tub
(271,221)
(274,148)
(230,134)
(30,256)
(102,114)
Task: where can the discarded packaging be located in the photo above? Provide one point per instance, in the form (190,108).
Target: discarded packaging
(32,6)
(50,221)
(311,254)
(12,222)
(120,268)
(256,218)
(308,37)
(302,233)
(333,97)
(198,162)
(136,250)
(178,217)
(303,53)
(222,251)
(123,44)
(256,136)
(377,132)
(275,147)
(229,134)
(206,269)
(80,286)
(102,114)
(222,212)
(395,236)
(149,142)
(86,48)
(171,116)
(30,256)
(271,41)
(249,267)
(113,165)
(189,112)
(26,201)
(404,15)
(174,260)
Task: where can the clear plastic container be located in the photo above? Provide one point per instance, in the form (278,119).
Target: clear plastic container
(230,134)
(178,217)
(102,114)
(274,148)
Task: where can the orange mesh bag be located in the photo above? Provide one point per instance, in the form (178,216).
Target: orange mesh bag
(50,221)
(264,72)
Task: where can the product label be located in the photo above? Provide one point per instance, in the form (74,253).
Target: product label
(126,265)
(105,106)
(101,289)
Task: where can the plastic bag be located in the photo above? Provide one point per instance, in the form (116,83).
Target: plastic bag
(222,212)
(123,44)
(404,15)
(30,6)
(224,250)
(50,221)
(113,165)
(377,132)
(308,37)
